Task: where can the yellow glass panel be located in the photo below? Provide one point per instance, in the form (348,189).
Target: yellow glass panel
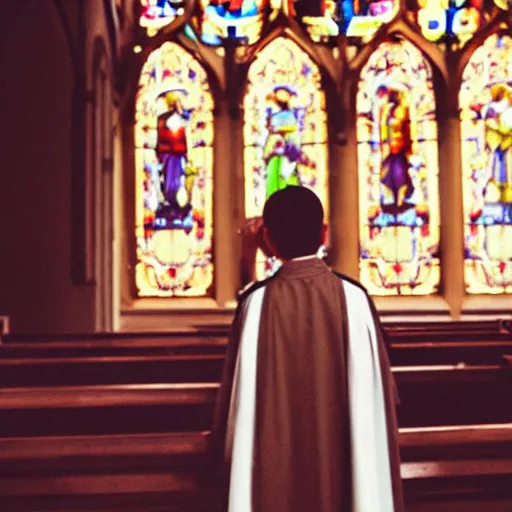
(485,101)
(398,173)
(173,173)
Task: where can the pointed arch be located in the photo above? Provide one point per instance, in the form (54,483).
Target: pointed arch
(398,172)
(402,28)
(479,39)
(485,101)
(288,28)
(174,175)
(285,127)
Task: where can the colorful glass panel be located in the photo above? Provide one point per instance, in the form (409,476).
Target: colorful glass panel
(157,14)
(242,20)
(398,173)
(353,18)
(452,21)
(285,132)
(485,101)
(174,161)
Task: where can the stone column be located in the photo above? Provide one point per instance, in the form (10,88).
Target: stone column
(228,153)
(451,214)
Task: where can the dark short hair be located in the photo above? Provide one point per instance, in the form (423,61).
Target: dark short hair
(294,219)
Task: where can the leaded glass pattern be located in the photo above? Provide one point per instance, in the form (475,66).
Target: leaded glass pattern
(453,22)
(398,173)
(174,162)
(485,101)
(352,18)
(156,14)
(215,21)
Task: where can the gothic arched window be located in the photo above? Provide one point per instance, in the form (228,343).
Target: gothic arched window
(398,172)
(285,131)
(174,161)
(485,101)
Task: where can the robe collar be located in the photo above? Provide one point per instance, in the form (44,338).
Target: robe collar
(302,258)
(304,266)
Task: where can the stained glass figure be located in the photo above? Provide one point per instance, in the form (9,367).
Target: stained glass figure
(398,173)
(174,161)
(157,14)
(285,132)
(452,21)
(485,101)
(216,20)
(353,18)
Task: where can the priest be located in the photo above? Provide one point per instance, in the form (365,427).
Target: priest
(305,419)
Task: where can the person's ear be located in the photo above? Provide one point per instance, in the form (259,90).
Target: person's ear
(325,229)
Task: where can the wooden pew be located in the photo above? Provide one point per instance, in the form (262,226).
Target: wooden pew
(456,442)
(452,468)
(457,465)
(125,337)
(499,325)
(405,349)
(192,360)
(93,410)
(499,329)
(411,344)
(76,371)
(429,396)
(472,350)
(453,394)
(161,471)
(187,449)
(117,345)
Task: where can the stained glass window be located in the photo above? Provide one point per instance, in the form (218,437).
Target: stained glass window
(285,132)
(453,21)
(353,18)
(174,160)
(156,14)
(217,20)
(485,101)
(398,173)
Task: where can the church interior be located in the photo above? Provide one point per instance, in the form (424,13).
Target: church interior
(164,126)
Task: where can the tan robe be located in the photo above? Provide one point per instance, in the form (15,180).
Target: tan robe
(305,420)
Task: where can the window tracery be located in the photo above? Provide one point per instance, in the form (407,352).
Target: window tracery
(398,174)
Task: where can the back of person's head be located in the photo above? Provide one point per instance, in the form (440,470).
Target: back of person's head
(293,218)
